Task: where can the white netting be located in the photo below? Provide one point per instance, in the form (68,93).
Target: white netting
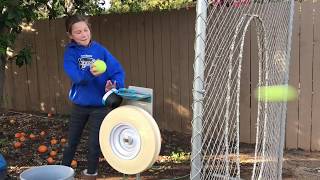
(220,30)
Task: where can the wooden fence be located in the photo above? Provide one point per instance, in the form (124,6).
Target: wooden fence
(157,51)
(303,117)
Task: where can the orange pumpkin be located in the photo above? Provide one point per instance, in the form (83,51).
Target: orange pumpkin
(53,153)
(50,160)
(42,149)
(17,145)
(74,163)
(53,141)
(32,136)
(22,139)
(63,141)
(17,135)
(49,115)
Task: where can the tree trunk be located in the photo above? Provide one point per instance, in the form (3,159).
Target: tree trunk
(3,60)
(2,79)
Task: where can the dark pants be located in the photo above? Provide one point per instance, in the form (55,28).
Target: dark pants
(3,174)
(80,115)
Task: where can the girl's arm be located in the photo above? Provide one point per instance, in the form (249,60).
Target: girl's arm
(77,75)
(115,70)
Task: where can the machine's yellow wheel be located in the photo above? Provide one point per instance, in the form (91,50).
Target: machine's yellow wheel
(130,139)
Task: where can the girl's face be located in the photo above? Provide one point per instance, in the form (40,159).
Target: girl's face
(80,33)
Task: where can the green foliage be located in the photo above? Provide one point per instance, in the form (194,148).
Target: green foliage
(60,8)
(123,6)
(179,157)
(24,57)
(88,7)
(15,12)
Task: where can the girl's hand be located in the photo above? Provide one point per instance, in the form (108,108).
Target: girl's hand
(110,85)
(94,71)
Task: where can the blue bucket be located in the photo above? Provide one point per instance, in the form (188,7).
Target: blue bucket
(48,172)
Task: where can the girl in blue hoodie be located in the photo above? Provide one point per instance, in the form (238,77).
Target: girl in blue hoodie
(88,88)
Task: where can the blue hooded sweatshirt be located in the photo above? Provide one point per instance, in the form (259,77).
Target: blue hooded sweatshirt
(88,90)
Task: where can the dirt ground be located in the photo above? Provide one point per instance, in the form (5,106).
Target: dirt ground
(173,162)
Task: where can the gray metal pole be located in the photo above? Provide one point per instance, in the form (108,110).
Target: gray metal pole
(138,177)
(284,111)
(198,89)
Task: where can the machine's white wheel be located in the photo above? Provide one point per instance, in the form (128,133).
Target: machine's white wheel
(130,139)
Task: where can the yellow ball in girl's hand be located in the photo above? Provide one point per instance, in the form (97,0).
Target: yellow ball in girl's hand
(100,66)
(278,93)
